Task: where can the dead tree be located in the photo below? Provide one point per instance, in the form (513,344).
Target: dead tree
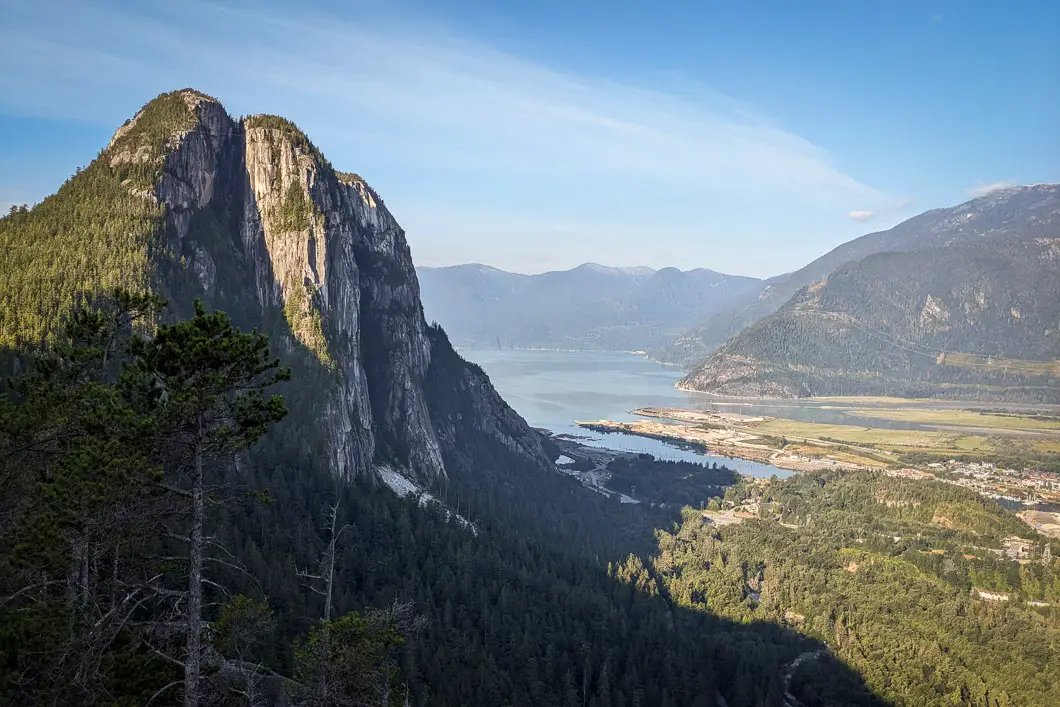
(323,582)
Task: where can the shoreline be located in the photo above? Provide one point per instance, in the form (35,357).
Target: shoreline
(722,438)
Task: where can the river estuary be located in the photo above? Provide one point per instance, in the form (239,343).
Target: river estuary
(552,389)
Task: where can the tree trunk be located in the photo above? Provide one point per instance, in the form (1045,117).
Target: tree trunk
(195,552)
(86,575)
(330,579)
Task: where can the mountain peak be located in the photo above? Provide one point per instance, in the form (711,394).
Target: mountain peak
(161,119)
(629,270)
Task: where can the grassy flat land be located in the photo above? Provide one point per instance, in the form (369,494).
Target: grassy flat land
(796,429)
(1012,365)
(883,400)
(1003,440)
(963,418)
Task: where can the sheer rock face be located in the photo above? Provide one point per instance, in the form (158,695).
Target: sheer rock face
(190,171)
(320,247)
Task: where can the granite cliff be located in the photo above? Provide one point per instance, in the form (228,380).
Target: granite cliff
(249,216)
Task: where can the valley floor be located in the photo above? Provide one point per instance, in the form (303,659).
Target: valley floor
(1000,453)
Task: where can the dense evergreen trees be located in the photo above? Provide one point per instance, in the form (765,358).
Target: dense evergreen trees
(107,448)
(536,608)
(674,482)
(94,569)
(97,585)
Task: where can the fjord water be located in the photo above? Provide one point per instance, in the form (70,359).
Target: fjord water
(552,389)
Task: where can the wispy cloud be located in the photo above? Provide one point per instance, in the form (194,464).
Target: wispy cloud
(862,214)
(443,108)
(984,189)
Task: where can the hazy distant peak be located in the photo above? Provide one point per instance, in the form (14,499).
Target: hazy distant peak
(480,268)
(464,267)
(592,306)
(630,270)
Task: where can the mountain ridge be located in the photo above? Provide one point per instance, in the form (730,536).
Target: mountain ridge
(997,214)
(590,307)
(974,317)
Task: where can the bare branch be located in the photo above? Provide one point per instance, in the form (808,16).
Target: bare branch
(170,685)
(171,489)
(7,600)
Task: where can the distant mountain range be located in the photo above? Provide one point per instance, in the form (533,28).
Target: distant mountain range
(961,303)
(591,307)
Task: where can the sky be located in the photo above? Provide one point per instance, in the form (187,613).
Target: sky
(744,137)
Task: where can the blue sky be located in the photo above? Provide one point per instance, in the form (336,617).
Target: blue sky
(746,137)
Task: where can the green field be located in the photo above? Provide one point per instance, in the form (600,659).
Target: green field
(960,433)
(990,423)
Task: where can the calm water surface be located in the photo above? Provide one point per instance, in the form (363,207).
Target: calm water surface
(552,389)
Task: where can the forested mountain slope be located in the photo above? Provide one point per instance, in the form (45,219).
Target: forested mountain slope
(978,319)
(590,307)
(1015,212)
(98,489)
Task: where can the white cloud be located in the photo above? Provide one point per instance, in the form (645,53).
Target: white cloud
(440,117)
(862,214)
(984,189)
(507,111)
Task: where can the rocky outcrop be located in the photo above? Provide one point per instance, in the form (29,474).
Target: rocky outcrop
(466,408)
(317,251)
(934,316)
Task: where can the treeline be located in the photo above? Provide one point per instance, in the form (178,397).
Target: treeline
(115,452)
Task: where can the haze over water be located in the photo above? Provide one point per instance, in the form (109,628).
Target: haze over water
(552,389)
